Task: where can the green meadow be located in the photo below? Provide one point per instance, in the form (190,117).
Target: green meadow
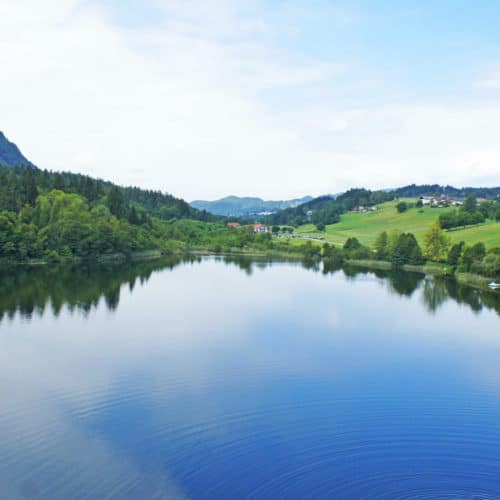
(366,226)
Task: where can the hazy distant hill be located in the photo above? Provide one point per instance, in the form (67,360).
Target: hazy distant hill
(414,190)
(10,154)
(241,207)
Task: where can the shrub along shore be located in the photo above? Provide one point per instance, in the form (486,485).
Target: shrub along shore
(353,254)
(468,264)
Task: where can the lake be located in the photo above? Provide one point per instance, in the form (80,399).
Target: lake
(229,378)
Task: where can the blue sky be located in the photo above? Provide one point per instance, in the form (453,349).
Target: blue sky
(270,98)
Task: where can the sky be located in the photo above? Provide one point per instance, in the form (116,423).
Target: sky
(278,99)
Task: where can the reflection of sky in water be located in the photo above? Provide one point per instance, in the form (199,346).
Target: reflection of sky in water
(207,381)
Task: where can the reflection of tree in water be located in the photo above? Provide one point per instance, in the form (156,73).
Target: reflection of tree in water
(435,290)
(30,290)
(400,282)
(247,263)
(330,267)
(404,283)
(491,300)
(475,299)
(311,264)
(434,293)
(465,295)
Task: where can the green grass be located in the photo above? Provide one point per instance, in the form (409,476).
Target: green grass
(366,226)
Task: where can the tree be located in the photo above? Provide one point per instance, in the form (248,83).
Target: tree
(382,246)
(392,241)
(116,202)
(470,204)
(133,218)
(59,182)
(455,253)
(407,251)
(352,244)
(30,189)
(491,265)
(402,206)
(472,256)
(435,243)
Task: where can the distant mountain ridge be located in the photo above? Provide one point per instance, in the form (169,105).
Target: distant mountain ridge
(246,206)
(414,190)
(10,155)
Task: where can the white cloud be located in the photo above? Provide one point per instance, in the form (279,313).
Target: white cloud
(182,105)
(491,81)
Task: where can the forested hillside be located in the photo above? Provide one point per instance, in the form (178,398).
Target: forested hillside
(20,186)
(326,210)
(414,191)
(54,216)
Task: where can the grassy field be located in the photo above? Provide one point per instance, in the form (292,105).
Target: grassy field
(366,226)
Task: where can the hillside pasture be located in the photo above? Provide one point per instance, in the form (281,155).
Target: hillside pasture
(366,226)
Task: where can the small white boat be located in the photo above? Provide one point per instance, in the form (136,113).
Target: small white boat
(494,285)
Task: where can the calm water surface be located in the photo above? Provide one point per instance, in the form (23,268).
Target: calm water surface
(230,379)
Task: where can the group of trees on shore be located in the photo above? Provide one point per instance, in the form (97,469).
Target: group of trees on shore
(470,213)
(403,248)
(50,216)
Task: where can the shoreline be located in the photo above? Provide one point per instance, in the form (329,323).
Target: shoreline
(469,279)
(435,269)
(145,255)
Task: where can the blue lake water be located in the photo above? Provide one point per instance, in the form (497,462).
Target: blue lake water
(231,378)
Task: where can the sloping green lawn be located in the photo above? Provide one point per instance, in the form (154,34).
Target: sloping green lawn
(366,226)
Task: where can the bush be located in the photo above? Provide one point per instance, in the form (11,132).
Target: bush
(455,253)
(53,257)
(491,265)
(402,206)
(352,244)
(353,249)
(332,253)
(472,255)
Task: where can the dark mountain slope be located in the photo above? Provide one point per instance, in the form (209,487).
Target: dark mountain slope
(10,154)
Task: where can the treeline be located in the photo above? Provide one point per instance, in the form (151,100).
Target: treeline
(57,217)
(397,248)
(326,210)
(403,248)
(415,191)
(62,225)
(54,216)
(470,213)
(21,185)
